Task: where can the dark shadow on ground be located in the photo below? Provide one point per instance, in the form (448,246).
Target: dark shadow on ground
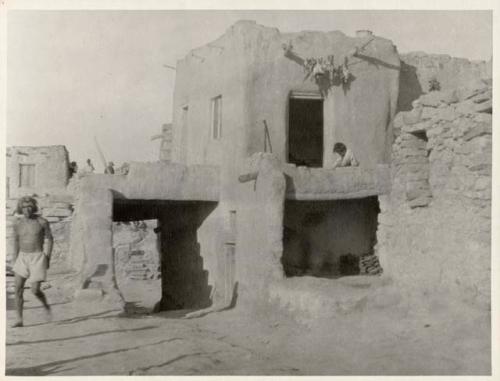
(56,366)
(79,319)
(81,336)
(51,305)
(144,370)
(174,314)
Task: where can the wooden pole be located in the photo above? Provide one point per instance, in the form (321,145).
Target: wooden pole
(104,162)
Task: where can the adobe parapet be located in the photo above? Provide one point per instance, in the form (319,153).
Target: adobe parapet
(336,184)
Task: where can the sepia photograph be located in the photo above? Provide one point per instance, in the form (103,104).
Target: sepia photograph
(247,192)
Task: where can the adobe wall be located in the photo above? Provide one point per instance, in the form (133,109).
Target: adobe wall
(248,67)
(435,225)
(357,114)
(51,170)
(91,250)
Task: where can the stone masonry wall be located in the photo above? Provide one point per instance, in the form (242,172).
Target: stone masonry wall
(136,251)
(451,72)
(418,68)
(435,226)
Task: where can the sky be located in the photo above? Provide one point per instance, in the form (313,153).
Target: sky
(75,75)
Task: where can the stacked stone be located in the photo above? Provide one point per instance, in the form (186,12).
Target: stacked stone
(450,72)
(444,143)
(140,267)
(369,265)
(444,245)
(413,157)
(136,255)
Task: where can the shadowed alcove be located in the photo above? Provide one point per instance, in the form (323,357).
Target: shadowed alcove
(184,282)
(327,238)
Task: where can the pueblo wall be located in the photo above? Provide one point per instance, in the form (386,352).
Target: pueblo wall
(435,225)
(50,175)
(357,114)
(248,68)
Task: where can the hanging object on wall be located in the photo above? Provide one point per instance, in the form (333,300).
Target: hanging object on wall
(322,70)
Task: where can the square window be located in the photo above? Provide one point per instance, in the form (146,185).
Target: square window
(27,175)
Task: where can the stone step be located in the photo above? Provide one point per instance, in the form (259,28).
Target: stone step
(137,272)
(137,266)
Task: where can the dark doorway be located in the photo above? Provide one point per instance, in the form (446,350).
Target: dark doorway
(328,238)
(305,132)
(184,281)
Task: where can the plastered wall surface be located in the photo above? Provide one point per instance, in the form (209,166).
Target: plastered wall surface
(247,66)
(50,170)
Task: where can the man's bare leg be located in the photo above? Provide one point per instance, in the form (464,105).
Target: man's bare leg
(19,284)
(35,289)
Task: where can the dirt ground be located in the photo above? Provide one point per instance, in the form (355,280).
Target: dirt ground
(89,339)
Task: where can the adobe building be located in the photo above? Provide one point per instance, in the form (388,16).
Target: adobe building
(245,200)
(36,170)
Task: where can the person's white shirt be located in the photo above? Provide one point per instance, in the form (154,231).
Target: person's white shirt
(349,160)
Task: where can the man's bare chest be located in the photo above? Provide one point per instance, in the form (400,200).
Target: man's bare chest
(28,228)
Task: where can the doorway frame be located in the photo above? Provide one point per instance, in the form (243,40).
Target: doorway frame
(303,95)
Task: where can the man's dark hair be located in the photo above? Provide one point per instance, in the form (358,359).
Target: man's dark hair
(340,148)
(26,200)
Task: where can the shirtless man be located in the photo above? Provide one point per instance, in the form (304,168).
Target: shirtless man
(30,260)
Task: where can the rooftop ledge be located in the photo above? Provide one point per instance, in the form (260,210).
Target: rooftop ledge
(336,184)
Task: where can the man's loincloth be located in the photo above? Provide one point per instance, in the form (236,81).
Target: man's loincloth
(31,265)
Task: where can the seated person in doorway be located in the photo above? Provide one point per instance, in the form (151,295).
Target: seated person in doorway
(345,156)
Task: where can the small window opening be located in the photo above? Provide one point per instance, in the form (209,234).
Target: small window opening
(422,136)
(184,133)
(216,117)
(27,175)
